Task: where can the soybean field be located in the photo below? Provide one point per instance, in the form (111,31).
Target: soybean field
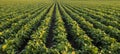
(59,27)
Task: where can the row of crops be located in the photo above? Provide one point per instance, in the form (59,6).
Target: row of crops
(58,27)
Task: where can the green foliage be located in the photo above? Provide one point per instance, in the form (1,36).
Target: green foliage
(59,27)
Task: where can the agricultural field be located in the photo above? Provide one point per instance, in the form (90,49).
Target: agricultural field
(59,27)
